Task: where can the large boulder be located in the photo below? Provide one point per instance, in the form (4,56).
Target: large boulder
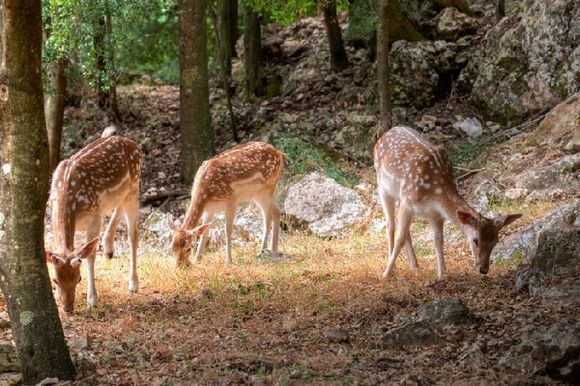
(527,61)
(553,351)
(421,70)
(326,207)
(453,24)
(445,313)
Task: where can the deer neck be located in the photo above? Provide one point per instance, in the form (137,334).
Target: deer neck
(64,219)
(451,202)
(195,210)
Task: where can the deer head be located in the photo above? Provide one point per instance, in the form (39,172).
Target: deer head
(483,235)
(67,272)
(182,241)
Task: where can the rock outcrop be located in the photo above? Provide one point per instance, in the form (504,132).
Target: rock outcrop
(528,61)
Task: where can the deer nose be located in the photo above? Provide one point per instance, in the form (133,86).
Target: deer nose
(483,270)
(68,308)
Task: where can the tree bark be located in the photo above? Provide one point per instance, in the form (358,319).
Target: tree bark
(383,67)
(224,29)
(338,58)
(500,9)
(54,110)
(24,279)
(234,35)
(105,65)
(197,137)
(252,53)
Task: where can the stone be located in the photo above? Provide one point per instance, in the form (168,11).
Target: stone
(338,336)
(81,342)
(453,24)
(10,379)
(445,313)
(470,126)
(558,177)
(9,361)
(327,207)
(527,61)
(516,193)
(549,350)
(561,126)
(412,334)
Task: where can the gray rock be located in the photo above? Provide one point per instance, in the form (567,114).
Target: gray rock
(550,350)
(325,206)
(445,313)
(527,61)
(470,126)
(9,361)
(453,24)
(338,336)
(413,334)
(524,245)
(10,379)
(559,176)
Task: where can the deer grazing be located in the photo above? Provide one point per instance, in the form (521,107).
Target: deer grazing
(420,176)
(245,172)
(101,177)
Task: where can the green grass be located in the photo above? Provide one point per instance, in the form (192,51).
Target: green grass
(468,150)
(303,157)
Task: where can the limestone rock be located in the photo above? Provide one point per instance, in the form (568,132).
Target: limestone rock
(325,206)
(470,126)
(453,24)
(413,334)
(445,313)
(527,61)
(549,350)
(9,361)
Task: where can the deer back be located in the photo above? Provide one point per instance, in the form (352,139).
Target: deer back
(92,181)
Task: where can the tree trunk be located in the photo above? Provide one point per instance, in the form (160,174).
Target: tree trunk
(252,53)
(24,279)
(54,109)
(105,65)
(223,28)
(383,69)
(196,133)
(499,9)
(338,58)
(234,35)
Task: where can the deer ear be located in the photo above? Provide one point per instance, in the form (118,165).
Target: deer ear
(200,230)
(86,250)
(54,259)
(466,219)
(510,218)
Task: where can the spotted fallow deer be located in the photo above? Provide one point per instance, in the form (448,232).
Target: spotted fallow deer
(245,172)
(100,178)
(420,176)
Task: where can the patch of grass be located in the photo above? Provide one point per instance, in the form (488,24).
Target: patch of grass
(468,150)
(303,157)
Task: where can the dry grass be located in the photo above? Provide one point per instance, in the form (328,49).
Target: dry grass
(266,322)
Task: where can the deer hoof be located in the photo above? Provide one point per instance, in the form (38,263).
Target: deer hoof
(134,286)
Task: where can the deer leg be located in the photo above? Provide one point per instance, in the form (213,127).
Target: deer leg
(230,215)
(403,223)
(388,204)
(109,236)
(93,230)
(131,210)
(265,204)
(437,227)
(410,252)
(204,237)
(275,227)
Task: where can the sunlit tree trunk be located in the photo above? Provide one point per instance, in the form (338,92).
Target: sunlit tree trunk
(24,279)
(252,53)
(197,137)
(338,58)
(383,69)
(54,109)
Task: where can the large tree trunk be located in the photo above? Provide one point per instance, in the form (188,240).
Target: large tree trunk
(252,53)
(500,9)
(338,58)
(36,327)
(383,69)
(196,133)
(224,29)
(54,109)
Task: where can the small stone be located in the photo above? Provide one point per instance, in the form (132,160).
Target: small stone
(81,342)
(338,336)
(516,193)
(205,293)
(470,126)
(413,334)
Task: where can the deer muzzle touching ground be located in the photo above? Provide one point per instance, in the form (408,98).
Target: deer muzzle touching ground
(101,178)
(418,176)
(249,171)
